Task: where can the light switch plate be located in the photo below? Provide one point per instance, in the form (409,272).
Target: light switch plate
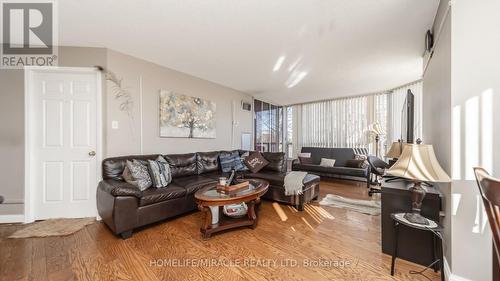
(114,125)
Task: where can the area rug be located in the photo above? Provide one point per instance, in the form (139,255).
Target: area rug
(52,227)
(362,206)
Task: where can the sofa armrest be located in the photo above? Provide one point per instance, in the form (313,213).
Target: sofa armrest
(119,188)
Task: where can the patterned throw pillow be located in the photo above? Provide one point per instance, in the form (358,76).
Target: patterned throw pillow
(231,160)
(159,171)
(255,162)
(140,174)
(364,158)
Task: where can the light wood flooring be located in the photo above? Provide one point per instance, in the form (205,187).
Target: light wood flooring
(321,243)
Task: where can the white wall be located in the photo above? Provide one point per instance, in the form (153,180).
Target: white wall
(475,100)
(460,120)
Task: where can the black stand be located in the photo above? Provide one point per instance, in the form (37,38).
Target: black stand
(437,247)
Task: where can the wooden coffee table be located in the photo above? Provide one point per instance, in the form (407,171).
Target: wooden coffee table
(208,199)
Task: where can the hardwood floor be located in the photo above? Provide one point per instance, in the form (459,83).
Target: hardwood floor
(326,243)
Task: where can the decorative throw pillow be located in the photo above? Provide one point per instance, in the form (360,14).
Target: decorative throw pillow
(230,161)
(364,158)
(139,174)
(255,162)
(305,160)
(325,162)
(354,163)
(127,176)
(159,171)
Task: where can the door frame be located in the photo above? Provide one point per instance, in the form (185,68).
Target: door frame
(28,129)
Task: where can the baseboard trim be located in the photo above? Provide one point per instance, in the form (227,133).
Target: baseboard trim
(11,218)
(449,276)
(447,270)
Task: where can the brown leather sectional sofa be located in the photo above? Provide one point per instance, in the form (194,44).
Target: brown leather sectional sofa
(123,207)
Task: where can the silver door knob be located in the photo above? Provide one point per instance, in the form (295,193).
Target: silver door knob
(92,153)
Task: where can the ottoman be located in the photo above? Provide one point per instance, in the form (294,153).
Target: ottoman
(310,192)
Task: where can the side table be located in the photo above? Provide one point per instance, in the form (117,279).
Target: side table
(437,242)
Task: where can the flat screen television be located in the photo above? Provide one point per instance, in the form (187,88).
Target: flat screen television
(407,118)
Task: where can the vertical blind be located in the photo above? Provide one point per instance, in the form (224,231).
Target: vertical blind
(334,123)
(345,122)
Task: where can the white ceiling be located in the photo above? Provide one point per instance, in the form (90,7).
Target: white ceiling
(328,48)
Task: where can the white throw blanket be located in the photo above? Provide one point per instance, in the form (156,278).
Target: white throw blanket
(294,182)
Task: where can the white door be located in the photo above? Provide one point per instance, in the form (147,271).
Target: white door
(64,143)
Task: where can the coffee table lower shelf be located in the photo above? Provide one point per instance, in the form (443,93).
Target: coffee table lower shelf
(225,222)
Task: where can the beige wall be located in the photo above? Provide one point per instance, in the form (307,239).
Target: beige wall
(126,139)
(12,140)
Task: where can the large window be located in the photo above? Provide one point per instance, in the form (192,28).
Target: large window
(268,127)
(333,123)
(346,122)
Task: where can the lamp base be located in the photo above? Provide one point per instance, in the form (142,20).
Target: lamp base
(416,218)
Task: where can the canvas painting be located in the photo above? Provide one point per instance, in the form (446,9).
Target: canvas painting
(183,116)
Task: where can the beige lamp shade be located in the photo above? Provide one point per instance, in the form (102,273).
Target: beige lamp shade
(418,162)
(395,150)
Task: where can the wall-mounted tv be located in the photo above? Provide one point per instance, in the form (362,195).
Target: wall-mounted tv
(407,118)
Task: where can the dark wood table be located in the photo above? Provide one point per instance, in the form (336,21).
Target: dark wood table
(209,197)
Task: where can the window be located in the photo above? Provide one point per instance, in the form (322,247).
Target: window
(344,122)
(268,127)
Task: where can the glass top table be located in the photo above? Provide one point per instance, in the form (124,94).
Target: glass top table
(210,201)
(256,187)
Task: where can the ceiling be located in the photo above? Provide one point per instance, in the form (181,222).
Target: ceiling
(286,52)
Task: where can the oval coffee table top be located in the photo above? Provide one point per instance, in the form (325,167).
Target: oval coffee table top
(210,194)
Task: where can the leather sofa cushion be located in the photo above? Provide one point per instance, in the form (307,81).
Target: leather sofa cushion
(277,161)
(207,162)
(194,183)
(182,165)
(357,172)
(216,175)
(154,195)
(276,179)
(112,168)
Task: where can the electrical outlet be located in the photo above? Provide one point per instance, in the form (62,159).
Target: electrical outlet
(114,125)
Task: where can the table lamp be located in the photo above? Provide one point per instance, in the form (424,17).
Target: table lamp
(418,163)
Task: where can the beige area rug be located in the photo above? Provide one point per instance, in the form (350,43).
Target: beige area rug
(369,207)
(52,227)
